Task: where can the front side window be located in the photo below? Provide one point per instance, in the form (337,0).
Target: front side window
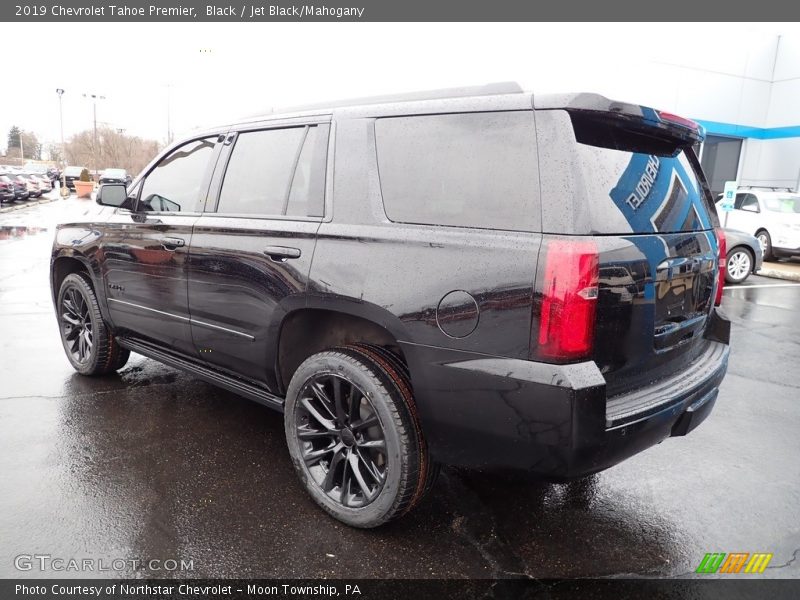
(176,183)
(276,172)
(462,170)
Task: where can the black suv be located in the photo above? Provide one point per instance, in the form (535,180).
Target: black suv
(483,278)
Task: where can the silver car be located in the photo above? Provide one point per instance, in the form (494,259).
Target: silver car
(744,255)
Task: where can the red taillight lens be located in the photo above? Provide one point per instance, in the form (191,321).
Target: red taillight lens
(723,254)
(678,120)
(566,326)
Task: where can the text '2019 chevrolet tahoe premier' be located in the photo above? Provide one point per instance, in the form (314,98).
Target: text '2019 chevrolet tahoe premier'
(483,278)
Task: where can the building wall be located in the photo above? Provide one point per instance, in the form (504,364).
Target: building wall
(747,88)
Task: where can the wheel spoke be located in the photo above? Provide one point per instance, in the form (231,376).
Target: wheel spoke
(370,421)
(314,456)
(324,400)
(372,444)
(74,321)
(326,423)
(345,491)
(371,468)
(338,401)
(354,463)
(353,404)
(330,478)
(314,434)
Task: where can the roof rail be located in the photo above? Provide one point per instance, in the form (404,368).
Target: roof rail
(490,89)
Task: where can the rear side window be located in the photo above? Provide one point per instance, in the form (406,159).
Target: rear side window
(276,172)
(463,170)
(637,179)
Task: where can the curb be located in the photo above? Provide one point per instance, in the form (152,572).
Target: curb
(778,274)
(27,204)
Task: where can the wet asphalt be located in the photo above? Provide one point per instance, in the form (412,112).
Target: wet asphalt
(153,464)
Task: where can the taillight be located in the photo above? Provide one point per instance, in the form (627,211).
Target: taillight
(723,254)
(569,300)
(678,120)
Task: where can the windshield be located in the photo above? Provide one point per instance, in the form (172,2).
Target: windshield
(783,204)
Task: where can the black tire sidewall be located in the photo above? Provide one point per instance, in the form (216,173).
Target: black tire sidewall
(383,507)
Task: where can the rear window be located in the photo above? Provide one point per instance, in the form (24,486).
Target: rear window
(462,170)
(640,174)
(784,204)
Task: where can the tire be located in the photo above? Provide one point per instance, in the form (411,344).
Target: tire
(391,361)
(365,462)
(738,265)
(88,343)
(766,244)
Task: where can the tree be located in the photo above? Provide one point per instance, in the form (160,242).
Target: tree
(114,150)
(13,137)
(31,146)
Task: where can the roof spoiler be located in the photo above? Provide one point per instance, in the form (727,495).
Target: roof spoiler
(677,126)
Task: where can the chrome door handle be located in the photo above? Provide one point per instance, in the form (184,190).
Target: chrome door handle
(172,243)
(281,253)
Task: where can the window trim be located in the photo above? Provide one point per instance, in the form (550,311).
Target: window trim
(139,183)
(211,206)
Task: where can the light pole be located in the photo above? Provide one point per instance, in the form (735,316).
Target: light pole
(63,186)
(95,98)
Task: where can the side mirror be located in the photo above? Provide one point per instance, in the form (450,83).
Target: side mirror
(112,194)
(751,208)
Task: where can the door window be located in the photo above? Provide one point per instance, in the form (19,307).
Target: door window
(178,182)
(276,172)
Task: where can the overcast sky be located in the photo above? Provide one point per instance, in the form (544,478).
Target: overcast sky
(214,72)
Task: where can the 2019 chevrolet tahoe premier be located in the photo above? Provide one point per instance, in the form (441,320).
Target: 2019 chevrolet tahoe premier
(478,277)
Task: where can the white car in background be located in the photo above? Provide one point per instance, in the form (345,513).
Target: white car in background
(773,217)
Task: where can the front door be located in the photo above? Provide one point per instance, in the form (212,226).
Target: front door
(251,250)
(146,248)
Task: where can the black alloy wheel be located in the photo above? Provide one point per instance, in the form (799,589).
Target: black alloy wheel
(88,343)
(343,443)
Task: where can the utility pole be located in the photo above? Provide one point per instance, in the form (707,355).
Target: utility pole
(63,186)
(95,98)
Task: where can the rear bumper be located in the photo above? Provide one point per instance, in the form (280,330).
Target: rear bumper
(553,420)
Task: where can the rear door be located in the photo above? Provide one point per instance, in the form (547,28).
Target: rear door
(252,248)
(638,191)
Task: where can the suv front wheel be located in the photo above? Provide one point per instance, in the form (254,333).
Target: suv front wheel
(87,340)
(353,436)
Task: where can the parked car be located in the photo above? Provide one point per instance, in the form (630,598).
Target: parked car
(470,285)
(773,217)
(115,176)
(744,255)
(34,189)
(6,189)
(54,174)
(71,174)
(21,188)
(42,180)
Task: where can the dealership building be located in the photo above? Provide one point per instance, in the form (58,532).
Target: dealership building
(745,91)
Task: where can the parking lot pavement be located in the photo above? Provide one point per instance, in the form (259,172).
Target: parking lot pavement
(152,463)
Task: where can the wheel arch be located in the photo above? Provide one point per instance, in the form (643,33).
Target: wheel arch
(311,329)
(67,262)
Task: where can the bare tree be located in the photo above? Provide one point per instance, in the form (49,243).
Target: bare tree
(114,150)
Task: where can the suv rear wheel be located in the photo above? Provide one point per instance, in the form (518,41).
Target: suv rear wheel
(88,343)
(353,437)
